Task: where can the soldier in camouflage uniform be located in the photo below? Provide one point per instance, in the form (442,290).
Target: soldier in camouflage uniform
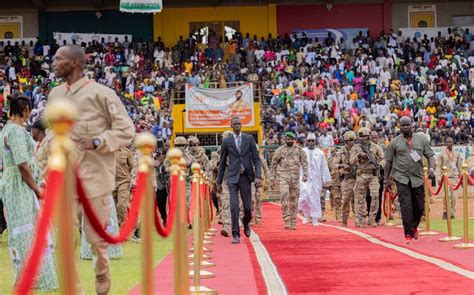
(336,195)
(224,199)
(269,143)
(287,163)
(347,174)
(180,142)
(213,166)
(124,165)
(199,153)
(257,193)
(368,158)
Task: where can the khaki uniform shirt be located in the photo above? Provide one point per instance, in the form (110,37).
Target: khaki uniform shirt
(454,165)
(125,163)
(365,164)
(42,152)
(287,162)
(404,168)
(101,115)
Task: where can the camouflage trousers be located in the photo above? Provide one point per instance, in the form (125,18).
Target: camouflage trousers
(336,198)
(364,182)
(224,207)
(257,204)
(121,196)
(289,187)
(451,198)
(347,191)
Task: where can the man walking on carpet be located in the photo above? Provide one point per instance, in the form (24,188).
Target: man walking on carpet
(243,168)
(404,155)
(318,174)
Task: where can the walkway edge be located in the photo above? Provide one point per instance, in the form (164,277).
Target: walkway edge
(273,281)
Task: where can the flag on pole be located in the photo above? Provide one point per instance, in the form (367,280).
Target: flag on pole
(157,102)
(141,6)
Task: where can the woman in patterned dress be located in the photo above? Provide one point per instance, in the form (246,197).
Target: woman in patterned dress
(20,190)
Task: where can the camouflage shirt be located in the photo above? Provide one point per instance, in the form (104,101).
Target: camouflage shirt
(288,161)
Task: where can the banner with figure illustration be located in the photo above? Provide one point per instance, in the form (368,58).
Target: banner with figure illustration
(214,108)
(143,6)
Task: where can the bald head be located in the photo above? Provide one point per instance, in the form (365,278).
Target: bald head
(405,126)
(405,120)
(69,61)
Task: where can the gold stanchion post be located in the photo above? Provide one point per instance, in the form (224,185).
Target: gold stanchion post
(197,273)
(146,143)
(465,244)
(181,279)
(427,231)
(450,236)
(61,115)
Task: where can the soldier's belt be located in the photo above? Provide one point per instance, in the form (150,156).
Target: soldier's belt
(365,171)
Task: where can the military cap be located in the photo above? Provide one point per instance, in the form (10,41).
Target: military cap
(193,140)
(364,131)
(350,135)
(291,135)
(180,140)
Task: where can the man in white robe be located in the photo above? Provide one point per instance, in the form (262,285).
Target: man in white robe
(318,174)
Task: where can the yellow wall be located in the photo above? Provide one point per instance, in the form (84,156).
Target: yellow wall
(178,114)
(15,28)
(174,22)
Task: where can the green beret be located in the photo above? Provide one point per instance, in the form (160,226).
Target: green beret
(291,135)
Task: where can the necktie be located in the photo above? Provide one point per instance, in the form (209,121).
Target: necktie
(239,142)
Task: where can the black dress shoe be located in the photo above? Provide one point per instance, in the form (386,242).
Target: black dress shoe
(224,233)
(236,240)
(247,230)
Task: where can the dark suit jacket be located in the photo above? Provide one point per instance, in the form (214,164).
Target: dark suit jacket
(248,157)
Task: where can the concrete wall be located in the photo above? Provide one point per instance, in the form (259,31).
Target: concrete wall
(30,21)
(444,13)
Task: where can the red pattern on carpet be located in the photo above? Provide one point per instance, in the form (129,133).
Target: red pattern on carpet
(327,260)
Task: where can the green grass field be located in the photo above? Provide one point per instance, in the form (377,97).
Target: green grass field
(457,226)
(125,273)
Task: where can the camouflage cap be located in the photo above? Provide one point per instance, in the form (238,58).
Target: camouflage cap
(180,140)
(350,135)
(226,134)
(364,131)
(290,134)
(193,140)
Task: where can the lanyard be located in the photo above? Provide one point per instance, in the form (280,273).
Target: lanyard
(409,143)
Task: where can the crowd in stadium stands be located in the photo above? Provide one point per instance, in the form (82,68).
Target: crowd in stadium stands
(308,84)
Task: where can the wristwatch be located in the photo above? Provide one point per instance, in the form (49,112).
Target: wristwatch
(96,142)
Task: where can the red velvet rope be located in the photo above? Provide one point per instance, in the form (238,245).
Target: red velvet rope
(54,184)
(182,200)
(431,188)
(131,221)
(165,231)
(388,194)
(457,185)
(210,202)
(470,179)
(202,196)
(192,205)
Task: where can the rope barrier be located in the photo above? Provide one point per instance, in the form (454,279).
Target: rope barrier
(470,179)
(211,209)
(388,194)
(54,184)
(457,185)
(431,188)
(192,204)
(131,220)
(202,195)
(165,231)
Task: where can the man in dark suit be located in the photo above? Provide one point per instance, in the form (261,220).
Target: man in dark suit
(239,156)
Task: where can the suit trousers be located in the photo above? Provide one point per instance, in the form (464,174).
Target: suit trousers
(3,221)
(412,206)
(162,203)
(245,187)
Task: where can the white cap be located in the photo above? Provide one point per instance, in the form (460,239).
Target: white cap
(311,136)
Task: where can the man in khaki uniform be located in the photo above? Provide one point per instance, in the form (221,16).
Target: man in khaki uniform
(198,153)
(453,161)
(102,128)
(287,162)
(43,139)
(347,173)
(368,158)
(124,166)
(336,196)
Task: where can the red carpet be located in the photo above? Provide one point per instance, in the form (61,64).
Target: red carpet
(325,260)
(233,270)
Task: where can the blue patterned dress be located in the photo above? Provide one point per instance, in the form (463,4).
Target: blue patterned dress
(21,204)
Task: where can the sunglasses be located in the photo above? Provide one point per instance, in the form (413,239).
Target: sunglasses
(310,140)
